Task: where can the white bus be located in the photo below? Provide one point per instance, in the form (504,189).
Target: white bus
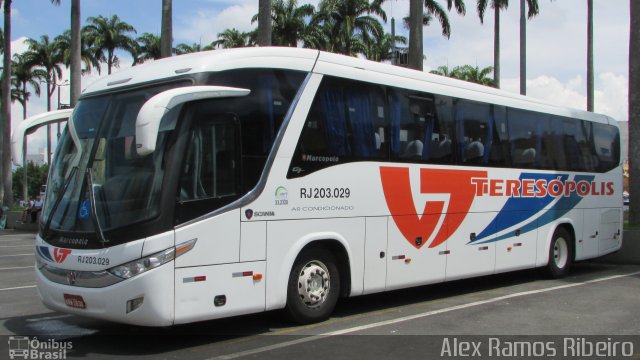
(230,182)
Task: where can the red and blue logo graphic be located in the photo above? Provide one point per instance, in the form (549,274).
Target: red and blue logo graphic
(59,254)
(455,183)
(528,196)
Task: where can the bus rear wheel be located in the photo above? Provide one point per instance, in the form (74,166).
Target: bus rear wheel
(314,286)
(560,254)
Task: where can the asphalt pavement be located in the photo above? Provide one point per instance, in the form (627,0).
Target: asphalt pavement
(597,303)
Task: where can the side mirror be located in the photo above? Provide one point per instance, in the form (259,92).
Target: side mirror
(151,113)
(29,125)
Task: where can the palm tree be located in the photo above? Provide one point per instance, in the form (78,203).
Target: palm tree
(496,5)
(474,74)
(87,54)
(634,112)
(381,47)
(417,21)
(47,55)
(166,34)
(288,25)
(318,34)
(24,75)
(467,73)
(434,8)
(148,48)
(6,191)
(444,70)
(75,51)
(349,18)
(109,35)
(533,11)
(232,38)
(183,48)
(264,22)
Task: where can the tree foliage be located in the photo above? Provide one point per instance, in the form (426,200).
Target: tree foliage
(37,176)
(469,73)
(107,35)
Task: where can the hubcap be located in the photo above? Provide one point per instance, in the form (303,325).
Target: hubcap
(314,284)
(560,253)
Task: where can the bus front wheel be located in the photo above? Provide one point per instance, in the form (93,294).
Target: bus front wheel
(560,254)
(314,286)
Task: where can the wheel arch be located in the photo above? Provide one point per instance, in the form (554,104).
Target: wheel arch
(332,241)
(569,226)
(338,247)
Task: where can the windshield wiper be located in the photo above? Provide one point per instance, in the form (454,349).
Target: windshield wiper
(56,203)
(94,211)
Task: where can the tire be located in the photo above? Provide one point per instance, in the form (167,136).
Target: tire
(560,254)
(315,267)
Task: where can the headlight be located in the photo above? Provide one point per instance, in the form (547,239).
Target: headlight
(137,267)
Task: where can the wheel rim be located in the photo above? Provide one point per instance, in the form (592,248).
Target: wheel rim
(560,252)
(314,284)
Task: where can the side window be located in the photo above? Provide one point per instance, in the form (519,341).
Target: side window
(421,127)
(499,149)
(590,160)
(525,145)
(412,123)
(211,169)
(347,122)
(606,140)
(475,131)
(260,113)
(442,151)
(572,136)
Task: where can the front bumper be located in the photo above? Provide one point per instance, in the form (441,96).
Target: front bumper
(110,302)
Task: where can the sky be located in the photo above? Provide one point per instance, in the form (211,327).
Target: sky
(556,42)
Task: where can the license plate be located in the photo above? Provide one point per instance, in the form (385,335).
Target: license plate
(74,301)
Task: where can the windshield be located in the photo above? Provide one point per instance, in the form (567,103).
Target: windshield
(209,153)
(98,182)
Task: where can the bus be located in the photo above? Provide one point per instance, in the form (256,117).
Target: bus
(238,181)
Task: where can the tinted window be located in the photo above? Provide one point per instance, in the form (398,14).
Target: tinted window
(475,131)
(356,121)
(421,127)
(499,149)
(347,122)
(211,166)
(260,113)
(524,141)
(606,140)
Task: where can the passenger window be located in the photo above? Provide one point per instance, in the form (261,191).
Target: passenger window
(442,151)
(571,138)
(260,113)
(499,149)
(475,131)
(347,122)
(421,127)
(412,122)
(606,140)
(524,141)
